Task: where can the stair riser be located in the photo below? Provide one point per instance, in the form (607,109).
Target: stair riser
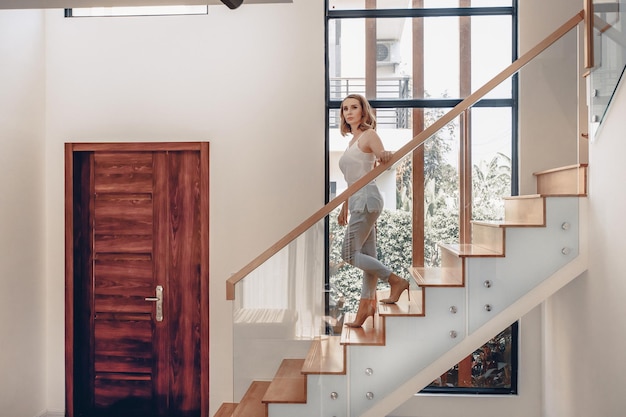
(572,181)
(531,211)
(488,237)
(451,261)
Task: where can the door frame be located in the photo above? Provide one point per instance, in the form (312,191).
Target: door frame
(70,149)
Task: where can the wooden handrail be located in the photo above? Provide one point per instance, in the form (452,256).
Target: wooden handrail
(402,152)
(588,39)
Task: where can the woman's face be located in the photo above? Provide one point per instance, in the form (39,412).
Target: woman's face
(352,111)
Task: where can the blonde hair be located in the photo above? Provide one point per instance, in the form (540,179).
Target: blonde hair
(368,121)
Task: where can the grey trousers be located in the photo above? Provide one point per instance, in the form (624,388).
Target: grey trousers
(359,250)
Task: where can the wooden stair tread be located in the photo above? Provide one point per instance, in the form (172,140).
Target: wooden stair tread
(522,197)
(436,277)
(326,356)
(535,196)
(568,194)
(559,169)
(288,385)
(505,223)
(469,250)
(404,307)
(365,335)
(226,410)
(251,404)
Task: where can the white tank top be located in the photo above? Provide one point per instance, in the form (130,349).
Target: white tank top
(354,164)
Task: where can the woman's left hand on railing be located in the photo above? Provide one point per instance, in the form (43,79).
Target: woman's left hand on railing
(342,218)
(384,157)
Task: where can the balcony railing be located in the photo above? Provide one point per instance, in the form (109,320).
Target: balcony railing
(386,88)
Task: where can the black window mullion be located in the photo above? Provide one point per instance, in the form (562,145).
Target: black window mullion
(435,12)
(428,103)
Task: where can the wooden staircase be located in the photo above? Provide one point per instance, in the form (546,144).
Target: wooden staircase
(328,355)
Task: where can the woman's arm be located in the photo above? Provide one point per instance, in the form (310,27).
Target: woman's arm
(371,143)
(342,218)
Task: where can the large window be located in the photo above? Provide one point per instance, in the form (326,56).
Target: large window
(415,60)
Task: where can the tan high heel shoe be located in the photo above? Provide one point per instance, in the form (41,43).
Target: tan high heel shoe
(398,285)
(367,308)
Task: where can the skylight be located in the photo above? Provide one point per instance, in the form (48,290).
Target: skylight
(136,11)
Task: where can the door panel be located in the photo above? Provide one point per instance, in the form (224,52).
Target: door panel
(133,173)
(116,276)
(136,403)
(113,345)
(123,189)
(123,323)
(184,269)
(137,222)
(122,214)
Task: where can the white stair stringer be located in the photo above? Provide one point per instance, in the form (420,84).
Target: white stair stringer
(411,344)
(419,349)
(532,255)
(406,353)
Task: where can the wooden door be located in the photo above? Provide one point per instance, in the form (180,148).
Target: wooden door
(137,280)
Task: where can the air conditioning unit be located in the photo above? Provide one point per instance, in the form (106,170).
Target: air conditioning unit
(387,52)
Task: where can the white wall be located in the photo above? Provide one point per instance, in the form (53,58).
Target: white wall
(250,81)
(588,317)
(22,204)
(548,91)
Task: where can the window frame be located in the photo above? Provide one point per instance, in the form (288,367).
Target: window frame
(512,103)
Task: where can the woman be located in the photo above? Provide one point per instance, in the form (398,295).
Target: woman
(364,207)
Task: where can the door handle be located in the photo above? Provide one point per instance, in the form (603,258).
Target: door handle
(159,302)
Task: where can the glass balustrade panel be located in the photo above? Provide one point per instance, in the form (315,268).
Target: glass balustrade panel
(548,111)
(610,55)
(279,309)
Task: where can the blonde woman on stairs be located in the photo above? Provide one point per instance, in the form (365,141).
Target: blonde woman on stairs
(362,209)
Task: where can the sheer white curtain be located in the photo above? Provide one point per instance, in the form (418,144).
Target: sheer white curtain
(265,287)
(307,286)
(292,280)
